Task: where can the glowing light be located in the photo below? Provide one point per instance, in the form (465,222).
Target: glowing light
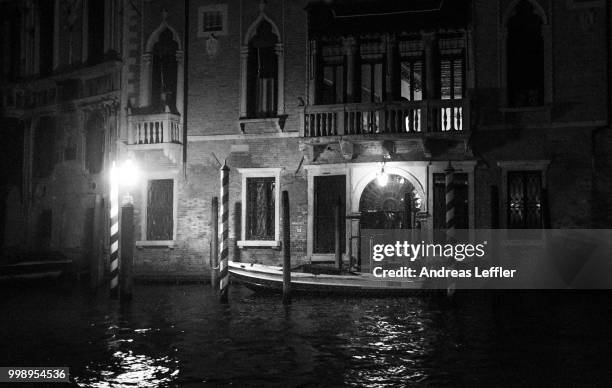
(382,178)
(128,174)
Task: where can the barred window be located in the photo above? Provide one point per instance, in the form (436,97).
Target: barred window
(524,200)
(260,208)
(160,210)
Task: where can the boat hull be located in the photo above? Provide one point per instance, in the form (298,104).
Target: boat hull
(35,270)
(262,278)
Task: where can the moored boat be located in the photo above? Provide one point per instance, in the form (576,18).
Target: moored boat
(262,278)
(31,270)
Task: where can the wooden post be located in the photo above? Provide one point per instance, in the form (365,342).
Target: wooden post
(214,245)
(224,236)
(114,232)
(337,232)
(237,230)
(97,262)
(286,250)
(450,202)
(449,182)
(127,251)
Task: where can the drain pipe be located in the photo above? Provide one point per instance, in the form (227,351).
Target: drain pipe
(596,131)
(185,86)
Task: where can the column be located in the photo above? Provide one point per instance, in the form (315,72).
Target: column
(280,57)
(548,67)
(432,86)
(85,31)
(244,59)
(180,82)
(350,50)
(312,69)
(56,34)
(392,72)
(145,80)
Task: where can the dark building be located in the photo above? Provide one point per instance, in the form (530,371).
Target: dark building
(361,103)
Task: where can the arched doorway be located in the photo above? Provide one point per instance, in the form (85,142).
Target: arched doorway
(387,205)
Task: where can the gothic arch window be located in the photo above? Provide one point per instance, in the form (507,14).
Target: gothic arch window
(262,73)
(161,89)
(526,55)
(164,74)
(262,68)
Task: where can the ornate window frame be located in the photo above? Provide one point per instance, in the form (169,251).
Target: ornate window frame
(222,8)
(244,57)
(518,165)
(143,242)
(272,172)
(146,67)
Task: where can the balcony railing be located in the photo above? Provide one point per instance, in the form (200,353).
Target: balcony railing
(386,118)
(155,129)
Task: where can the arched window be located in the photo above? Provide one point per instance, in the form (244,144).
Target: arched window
(94,143)
(525,56)
(164,74)
(262,73)
(162,70)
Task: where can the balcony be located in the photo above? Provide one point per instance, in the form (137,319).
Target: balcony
(404,117)
(155,132)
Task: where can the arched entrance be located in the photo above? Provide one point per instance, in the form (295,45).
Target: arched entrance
(387,205)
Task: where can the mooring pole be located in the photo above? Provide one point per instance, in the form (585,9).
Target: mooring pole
(224,236)
(127,250)
(450,202)
(449,182)
(337,232)
(286,250)
(114,232)
(96,268)
(214,245)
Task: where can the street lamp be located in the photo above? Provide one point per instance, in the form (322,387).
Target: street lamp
(382,178)
(128,178)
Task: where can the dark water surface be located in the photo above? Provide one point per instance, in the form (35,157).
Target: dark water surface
(181,336)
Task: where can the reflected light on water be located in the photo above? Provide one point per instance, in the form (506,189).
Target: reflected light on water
(135,370)
(179,336)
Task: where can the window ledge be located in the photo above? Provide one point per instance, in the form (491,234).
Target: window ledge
(259,244)
(260,124)
(156,243)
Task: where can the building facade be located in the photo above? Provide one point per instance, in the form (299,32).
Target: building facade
(61,91)
(357,104)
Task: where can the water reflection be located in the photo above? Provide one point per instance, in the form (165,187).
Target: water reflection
(181,335)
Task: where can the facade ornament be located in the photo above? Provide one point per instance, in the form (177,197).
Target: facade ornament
(212,45)
(587,19)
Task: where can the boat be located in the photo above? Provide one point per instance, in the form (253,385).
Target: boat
(35,270)
(308,279)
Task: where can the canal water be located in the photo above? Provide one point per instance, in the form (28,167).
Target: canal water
(181,336)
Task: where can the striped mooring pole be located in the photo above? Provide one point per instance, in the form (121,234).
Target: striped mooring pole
(114,232)
(449,175)
(449,183)
(223,235)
